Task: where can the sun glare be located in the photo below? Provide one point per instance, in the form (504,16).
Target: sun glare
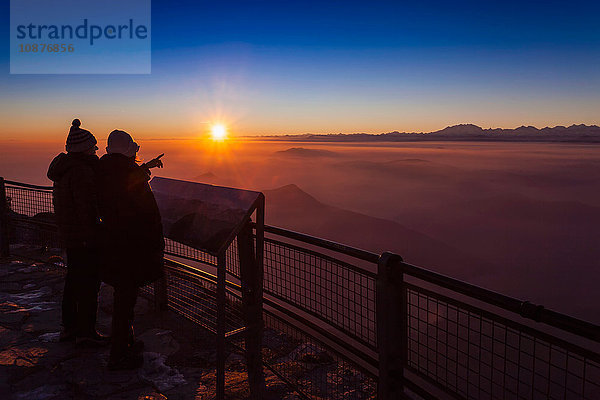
(218,132)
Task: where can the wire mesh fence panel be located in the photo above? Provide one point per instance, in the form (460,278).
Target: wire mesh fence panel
(31,217)
(194,297)
(28,202)
(148,291)
(189,253)
(310,367)
(234,315)
(478,355)
(233,260)
(336,292)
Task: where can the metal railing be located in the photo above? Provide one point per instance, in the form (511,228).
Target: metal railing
(342,322)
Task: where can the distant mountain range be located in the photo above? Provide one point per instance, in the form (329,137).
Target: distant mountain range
(463,132)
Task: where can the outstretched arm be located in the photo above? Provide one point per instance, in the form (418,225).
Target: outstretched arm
(154,163)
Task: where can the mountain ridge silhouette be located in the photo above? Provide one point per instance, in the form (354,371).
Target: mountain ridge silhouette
(559,133)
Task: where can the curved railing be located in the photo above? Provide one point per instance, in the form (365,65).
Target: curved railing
(456,339)
(341,322)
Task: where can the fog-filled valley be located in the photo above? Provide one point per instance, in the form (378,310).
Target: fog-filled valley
(520,218)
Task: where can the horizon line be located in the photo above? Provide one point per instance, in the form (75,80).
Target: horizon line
(197,136)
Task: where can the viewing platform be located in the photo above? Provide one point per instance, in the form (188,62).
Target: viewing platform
(179,357)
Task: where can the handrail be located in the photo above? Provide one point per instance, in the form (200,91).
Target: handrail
(324,256)
(203,275)
(327,244)
(507,321)
(525,309)
(28,185)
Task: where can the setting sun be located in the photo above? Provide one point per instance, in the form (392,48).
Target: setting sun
(218,132)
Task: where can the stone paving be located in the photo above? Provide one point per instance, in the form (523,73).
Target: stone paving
(179,358)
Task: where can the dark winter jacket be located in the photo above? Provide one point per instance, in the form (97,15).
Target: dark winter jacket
(132,228)
(75,198)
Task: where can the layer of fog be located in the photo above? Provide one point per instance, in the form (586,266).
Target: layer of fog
(520,218)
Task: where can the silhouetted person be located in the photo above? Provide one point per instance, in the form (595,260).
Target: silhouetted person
(134,241)
(75,202)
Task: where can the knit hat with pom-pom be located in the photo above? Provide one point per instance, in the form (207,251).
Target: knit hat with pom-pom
(79,140)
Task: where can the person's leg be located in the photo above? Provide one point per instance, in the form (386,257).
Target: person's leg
(134,344)
(84,285)
(131,312)
(69,300)
(89,285)
(124,302)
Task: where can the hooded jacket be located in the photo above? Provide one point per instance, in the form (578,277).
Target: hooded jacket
(74,197)
(133,237)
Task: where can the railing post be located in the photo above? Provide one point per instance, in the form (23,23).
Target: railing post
(392,327)
(221,299)
(251,274)
(160,294)
(4,239)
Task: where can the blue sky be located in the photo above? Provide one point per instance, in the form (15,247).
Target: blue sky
(327,66)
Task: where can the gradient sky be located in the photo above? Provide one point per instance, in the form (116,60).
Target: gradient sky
(329,66)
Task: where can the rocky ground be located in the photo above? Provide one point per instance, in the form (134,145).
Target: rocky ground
(179,358)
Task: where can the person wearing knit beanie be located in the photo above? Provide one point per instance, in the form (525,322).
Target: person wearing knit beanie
(80,140)
(75,200)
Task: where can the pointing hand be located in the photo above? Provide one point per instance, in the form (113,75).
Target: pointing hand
(155,162)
